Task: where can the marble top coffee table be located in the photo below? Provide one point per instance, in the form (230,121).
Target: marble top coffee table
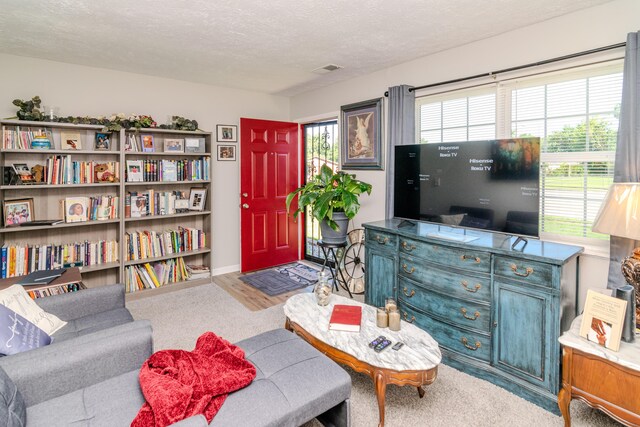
(416,363)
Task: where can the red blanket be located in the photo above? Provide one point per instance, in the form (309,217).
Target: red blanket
(178,384)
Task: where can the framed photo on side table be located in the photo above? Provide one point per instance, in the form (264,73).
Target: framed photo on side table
(227,153)
(197,198)
(227,133)
(16,212)
(361,135)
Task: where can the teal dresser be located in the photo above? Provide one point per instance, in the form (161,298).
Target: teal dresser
(497,313)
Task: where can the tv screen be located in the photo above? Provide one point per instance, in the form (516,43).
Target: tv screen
(490,185)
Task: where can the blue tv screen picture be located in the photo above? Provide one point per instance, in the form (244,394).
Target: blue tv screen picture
(491,185)
(17,334)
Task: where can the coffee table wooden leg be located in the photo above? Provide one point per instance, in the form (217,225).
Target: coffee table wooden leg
(381,387)
(564,399)
(420,392)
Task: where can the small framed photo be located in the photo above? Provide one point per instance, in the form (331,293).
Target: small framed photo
(134,171)
(227,153)
(227,133)
(76,209)
(70,141)
(174,145)
(148,145)
(17,212)
(103,142)
(197,198)
(194,145)
(24,173)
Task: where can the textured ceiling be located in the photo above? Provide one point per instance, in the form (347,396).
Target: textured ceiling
(269,46)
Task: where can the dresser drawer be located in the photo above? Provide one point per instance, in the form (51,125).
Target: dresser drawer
(459,258)
(448,281)
(381,240)
(463,313)
(527,271)
(470,344)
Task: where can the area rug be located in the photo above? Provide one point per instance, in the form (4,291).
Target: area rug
(278,280)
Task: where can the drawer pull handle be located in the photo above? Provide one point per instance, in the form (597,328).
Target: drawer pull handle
(464,314)
(474,258)
(406,317)
(526,273)
(466,344)
(408,294)
(382,241)
(407,270)
(407,247)
(465,285)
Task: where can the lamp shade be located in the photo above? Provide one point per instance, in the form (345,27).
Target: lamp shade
(620,211)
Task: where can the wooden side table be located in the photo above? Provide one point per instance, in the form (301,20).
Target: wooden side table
(603,379)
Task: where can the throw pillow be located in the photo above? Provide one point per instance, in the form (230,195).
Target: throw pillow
(17,299)
(17,334)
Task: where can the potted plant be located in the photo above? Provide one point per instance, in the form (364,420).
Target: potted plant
(333,199)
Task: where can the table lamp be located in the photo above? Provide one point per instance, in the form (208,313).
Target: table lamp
(619,215)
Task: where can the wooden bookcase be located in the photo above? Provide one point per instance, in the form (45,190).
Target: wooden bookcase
(46,197)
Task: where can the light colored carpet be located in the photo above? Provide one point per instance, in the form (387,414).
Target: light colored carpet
(454,399)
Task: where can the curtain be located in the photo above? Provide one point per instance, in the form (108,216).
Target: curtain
(627,166)
(402,107)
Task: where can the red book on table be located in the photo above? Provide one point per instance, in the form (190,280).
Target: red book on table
(345,318)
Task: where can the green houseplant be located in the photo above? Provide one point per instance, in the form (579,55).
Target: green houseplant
(333,200)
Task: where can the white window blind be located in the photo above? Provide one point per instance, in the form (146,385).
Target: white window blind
(576,116)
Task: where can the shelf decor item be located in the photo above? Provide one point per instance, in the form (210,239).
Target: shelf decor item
(333,199)
(148,145)
(227,133)
(75,209)
(194,145)
(41,142)
(102,142)
(361,125)
(197,198)
(173,145)
(71,141)
(16,212)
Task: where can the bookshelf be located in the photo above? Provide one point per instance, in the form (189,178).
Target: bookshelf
(77,169)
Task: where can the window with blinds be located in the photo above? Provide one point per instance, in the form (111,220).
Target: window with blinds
(575,114)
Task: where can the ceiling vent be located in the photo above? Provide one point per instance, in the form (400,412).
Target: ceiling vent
(326,69)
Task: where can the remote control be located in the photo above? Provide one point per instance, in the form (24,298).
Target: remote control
(397,345)
(377,341)
(384,344)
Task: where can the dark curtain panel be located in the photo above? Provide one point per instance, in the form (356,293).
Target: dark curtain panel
(627,166)
(402,107)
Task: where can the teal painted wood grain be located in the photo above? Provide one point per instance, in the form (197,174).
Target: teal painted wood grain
(525,270)
(457,311)
(523,333)
(380,275)
(469,343)
(466,285)
(472,260)
(380,240)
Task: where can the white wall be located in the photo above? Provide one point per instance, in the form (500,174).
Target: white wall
(86,91)
(591,28)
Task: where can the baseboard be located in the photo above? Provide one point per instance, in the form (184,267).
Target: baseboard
(225,270)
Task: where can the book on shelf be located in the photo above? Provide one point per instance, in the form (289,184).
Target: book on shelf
(345,318)
(62,169)
(198,271)
(56,290)
(155,275)
(151,244)
(20,138)
(602,319)
(41,277)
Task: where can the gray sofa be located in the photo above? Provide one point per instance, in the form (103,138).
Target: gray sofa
(97,383)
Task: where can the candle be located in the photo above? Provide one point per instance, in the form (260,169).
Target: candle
(390,305)
(382,319)
(394,320)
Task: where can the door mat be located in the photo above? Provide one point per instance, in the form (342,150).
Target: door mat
(278,280)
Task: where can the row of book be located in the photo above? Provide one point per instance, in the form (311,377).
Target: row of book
(20,138)
(98,208)
(150,202)
(62,170)
(155,275)
(168,170)
(150,244)
(19,260)
(56,290)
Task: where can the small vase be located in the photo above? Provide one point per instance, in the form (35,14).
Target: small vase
(322,290)
(40,142)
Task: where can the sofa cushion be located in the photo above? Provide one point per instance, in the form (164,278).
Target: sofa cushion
(294,383)
(12,406)
(111,403)
(92,323)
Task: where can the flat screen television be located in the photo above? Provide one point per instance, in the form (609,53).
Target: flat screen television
(489,185)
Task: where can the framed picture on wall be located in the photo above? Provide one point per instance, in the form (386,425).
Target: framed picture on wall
(227,133)
(227,153)
(361,135)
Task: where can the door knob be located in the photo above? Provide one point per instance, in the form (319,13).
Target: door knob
(245,206)
(245,194)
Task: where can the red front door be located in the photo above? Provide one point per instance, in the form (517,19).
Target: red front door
(269,170)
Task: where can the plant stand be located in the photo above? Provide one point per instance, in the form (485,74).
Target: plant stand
(333,249)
